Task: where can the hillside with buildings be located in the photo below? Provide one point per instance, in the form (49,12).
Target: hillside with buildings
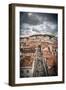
(37,48)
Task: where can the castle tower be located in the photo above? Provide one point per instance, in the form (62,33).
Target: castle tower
(40,66)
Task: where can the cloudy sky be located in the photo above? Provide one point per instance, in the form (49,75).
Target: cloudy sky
(38,23)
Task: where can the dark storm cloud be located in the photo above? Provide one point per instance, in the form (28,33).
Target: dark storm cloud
(35,23)
(33,19)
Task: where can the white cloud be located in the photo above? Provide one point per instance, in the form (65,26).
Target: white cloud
(45,28)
